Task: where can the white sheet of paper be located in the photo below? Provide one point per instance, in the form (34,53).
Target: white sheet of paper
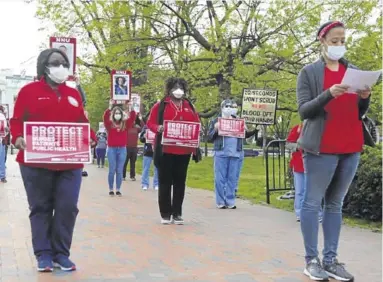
(358,79)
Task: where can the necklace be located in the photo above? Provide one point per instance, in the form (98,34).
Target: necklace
(177,108)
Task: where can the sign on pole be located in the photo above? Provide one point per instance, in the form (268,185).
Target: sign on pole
(121,83)
(259,106)
(68,46)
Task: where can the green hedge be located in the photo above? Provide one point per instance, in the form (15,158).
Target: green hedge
(364,199)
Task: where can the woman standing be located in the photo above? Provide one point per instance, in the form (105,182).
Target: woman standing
(296,164)
(172,161)
(52,189)
(116,123)
(147,162)
(332,139)
(228,158)
(102,144)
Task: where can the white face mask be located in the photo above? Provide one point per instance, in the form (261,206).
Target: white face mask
(58,74)
(117,116)
(178,93)
(234,111)
(226,112)
(335,52)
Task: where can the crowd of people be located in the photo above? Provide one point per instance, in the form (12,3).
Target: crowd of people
(326,147)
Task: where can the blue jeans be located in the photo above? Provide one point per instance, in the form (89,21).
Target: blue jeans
(328,177)
(299,185)
(147,161)
(226,179)
(3,153)
(116,159)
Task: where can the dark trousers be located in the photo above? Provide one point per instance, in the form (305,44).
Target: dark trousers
(131,155)
(100,153)
(52,197)
(172,171)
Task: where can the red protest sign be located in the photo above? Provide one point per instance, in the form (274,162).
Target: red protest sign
(150,136)
(120,86)
(57,142)
(231,127)
(68,46)
(181,133)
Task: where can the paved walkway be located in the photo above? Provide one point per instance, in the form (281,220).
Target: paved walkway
(120,239)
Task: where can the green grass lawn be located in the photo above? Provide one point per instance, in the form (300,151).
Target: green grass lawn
(252,185)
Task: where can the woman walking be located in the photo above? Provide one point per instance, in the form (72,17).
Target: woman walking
(172,161)
(116,122)
(52,189)
(332,139)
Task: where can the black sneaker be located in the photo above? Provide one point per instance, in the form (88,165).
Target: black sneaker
(111,193)
(221,207)
(133,178)
(84,174)
(3,180)
(337,271)
(178,220)
(118,193)
(232,207)
(315,271)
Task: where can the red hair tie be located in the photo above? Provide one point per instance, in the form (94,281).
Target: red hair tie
(324,31)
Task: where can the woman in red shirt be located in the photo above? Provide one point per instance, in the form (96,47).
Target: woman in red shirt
(172,161)
(332,139)
(117,121)
(296,164)
(52,189)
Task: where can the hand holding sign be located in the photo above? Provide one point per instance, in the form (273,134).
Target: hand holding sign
(364,94)
(20,143)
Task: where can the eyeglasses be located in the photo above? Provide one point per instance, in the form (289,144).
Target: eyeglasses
(230,106)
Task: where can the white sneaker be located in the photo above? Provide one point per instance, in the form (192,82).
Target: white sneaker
(155,187)
(166,221)
(145,188)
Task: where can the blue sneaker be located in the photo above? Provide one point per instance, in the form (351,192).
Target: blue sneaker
(44,263)
(64,264)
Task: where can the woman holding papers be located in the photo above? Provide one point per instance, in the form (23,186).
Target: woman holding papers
(332,139)
(228,156)
(116,122)
(172,161)
(52,189)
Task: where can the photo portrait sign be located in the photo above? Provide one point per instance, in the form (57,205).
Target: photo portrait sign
(57,142)
(121,82)
(259,106)
(231,127)
(181,133)
(68,46)
(6,110)
(136,102)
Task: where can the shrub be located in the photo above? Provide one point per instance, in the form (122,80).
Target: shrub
(364,199)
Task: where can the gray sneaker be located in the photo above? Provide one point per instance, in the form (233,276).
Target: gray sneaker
(315,271)
(337,271)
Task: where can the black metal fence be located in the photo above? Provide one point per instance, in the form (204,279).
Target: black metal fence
(279,176)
